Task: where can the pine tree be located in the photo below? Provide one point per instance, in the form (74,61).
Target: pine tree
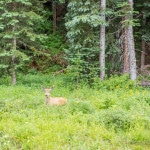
(17,32)
(82,23)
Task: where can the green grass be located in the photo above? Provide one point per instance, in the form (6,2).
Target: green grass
(115,118)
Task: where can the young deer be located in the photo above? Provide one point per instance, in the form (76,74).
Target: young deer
(53,101)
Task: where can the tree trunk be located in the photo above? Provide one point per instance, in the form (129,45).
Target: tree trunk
(143,49)
(132,59)
(54,16)
(131,48)
(143,55)
(125,50)
(102,41)
(14,47)
(13,71)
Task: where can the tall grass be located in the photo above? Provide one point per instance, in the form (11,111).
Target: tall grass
(112,115)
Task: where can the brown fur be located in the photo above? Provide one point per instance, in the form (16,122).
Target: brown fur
(53,101)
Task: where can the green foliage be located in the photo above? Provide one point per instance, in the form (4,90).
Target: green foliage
(77,106)
(113,53)
(92,119)
(18,32)
(55,43)
(82,22)
(118,119)
(125,10)
(114,82)
(35,80)
(51,57)
(144,21)
(28,20)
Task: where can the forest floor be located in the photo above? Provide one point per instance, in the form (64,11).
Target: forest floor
(106,118)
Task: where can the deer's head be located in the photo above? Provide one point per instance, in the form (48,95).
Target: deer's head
(47,91)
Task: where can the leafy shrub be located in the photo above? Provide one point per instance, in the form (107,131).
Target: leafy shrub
(146,98)
(80,106)
(5,80)
(105,101)
(118,119)
(114,82)
(35,80)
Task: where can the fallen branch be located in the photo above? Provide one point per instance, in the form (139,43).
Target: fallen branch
(59,72)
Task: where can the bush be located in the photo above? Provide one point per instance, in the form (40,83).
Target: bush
(118,119)
(114,82)
(80,106)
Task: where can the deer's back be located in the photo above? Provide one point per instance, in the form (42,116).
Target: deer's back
(58,101)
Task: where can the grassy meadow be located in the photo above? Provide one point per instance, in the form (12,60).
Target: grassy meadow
(112,115)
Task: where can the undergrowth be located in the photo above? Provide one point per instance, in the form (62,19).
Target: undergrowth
(114,114)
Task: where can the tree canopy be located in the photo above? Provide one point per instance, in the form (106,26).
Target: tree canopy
(50,36)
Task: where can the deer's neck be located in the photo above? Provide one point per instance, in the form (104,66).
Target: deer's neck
(48,99)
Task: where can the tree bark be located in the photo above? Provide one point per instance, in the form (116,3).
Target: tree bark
(102,41)
(14,47)
(143,55)
(125,49)
(143,49)
(131,48)
(13,77)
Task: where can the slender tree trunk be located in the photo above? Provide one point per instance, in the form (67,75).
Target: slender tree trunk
(54,16)
(131,48)
(14,47)
(102,41)
(143,55)
(13,78)
(125,50)
(143,49)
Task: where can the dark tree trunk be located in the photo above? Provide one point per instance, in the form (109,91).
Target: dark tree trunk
(13,70)
(143,50)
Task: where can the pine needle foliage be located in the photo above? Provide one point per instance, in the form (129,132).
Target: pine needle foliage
(82,22)
(18,22)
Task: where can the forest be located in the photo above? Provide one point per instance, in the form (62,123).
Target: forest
(74,75)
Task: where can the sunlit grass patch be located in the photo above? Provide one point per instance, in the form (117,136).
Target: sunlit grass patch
(93,118)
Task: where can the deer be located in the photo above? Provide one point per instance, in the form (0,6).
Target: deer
(53,101)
